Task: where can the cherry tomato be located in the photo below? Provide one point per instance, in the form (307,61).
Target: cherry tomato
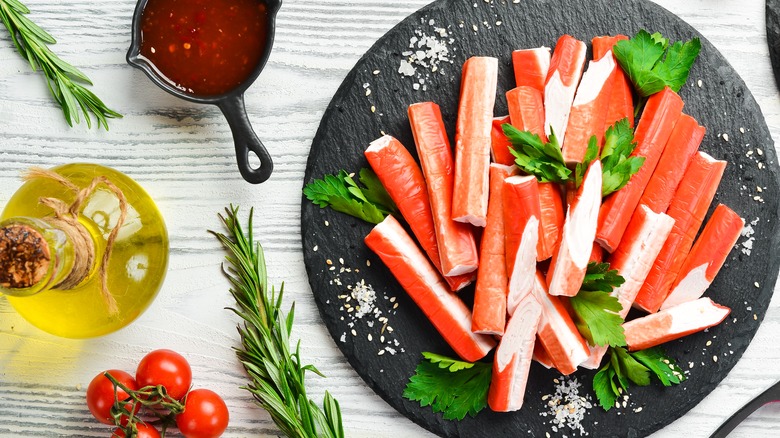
(166,368)
(100,394)
(144,431)
(205,415)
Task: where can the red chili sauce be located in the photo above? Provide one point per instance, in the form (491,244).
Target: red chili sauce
(204,47)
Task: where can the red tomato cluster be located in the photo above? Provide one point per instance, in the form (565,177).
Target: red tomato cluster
(199,413)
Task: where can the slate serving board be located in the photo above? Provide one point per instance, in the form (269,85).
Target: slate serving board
(721,103)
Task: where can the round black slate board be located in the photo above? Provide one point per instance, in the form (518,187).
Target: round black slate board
(722,103)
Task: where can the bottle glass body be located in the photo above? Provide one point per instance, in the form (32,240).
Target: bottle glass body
(136,268)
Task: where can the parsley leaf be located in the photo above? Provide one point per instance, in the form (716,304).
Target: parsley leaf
(612,380)
(451,386)
(591,153)
(595,310)
(543,160)
(341,193)
(618,166)
(652,64)
(664,368)
(598,277)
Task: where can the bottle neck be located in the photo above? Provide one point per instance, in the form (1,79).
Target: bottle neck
(41,254)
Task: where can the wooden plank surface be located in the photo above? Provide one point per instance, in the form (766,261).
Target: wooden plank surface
(183,155)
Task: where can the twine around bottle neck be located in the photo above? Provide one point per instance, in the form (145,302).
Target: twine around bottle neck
(66,218)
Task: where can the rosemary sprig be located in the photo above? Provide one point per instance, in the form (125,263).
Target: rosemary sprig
(64,80)
(277,376)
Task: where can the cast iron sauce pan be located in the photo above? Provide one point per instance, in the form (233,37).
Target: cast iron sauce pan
(722,104)
(231,103)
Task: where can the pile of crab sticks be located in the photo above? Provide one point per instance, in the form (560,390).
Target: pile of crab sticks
(538,236)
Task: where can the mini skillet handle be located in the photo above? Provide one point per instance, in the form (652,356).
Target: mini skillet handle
(246,140)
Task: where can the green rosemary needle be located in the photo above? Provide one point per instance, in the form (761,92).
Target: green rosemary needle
(64,80)
(277,376)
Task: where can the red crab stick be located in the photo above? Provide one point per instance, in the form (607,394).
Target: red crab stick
(658,119)
(688,208)
(561,84)
(499,144)
(682,145)
(621,102)
(633,258)
(401,176)
(589,110)
(551,220)
(472,140)
(673,323)
(420,280)
(513,357)
(492,281)
(521,233)
(564,344)
(531,67)
(457,247)
(571,260)
(707,256)
(526,110)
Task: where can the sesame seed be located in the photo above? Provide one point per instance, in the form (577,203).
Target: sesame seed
(726,137)
(755,317)
(699,83)
(474,27)
(709,343)
(373,109)
(327,224)
(370,338)
(714,358)
(756,284)
(380,352)
(368,91)
(354,333)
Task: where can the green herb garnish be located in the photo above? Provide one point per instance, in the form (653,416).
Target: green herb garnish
(596,312)
(64,80)
(451,386)
(341,193)
(652,64)
(277,374)
(617,164)
(535,157)
(612,380)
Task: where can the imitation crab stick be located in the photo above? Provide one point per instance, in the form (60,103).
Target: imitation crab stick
(457,247)
(526,110)
(565,346)
(540,355)
(492,281)
(579,229)
(561,84)
(499,143)
(531,67)
(472,140)
(589,110)
(550,221)
(682,145)
(521,233)
(633,258)
(673,323)
(621,102)
(513,357)
(401,176)
(654,128)
(420,280)
(690,204)
(706,257)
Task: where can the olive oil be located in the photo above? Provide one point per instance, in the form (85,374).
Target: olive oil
(136,267)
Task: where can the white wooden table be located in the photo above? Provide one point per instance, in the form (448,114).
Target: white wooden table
(183,155)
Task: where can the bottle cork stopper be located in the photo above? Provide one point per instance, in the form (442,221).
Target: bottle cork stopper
(24,256)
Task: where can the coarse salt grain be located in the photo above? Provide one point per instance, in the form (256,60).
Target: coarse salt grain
(566,406)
